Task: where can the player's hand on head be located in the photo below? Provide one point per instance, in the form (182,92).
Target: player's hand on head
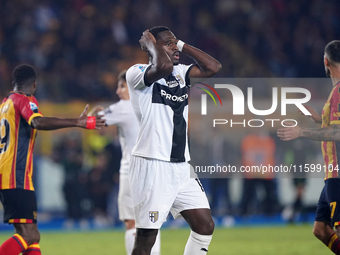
(289,133)
(315,116)
(146,40)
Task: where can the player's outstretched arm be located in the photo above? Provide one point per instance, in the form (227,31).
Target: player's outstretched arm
(331,133)
(207,66)
(52,123)
(315,116)
(162,65)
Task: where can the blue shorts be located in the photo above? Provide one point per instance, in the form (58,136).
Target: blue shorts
(329,203)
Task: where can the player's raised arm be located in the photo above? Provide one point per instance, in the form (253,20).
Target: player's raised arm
(52,123)
(206,65)
(161,64)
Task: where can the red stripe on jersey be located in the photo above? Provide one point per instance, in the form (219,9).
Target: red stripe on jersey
(326,159)
(34,133)
(335,161)
(0,181)
(12,184)
(29,165)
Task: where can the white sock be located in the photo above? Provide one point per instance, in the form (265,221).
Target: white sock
(197,244)
(130,236)
(156,249)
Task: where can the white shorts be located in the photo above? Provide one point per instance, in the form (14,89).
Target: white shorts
(125,206)
(158,187)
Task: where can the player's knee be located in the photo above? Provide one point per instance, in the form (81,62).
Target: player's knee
(209,229)
(37,237)
(29,233)
(206,228)
(32,236)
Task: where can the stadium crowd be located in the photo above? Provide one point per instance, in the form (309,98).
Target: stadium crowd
(79,46)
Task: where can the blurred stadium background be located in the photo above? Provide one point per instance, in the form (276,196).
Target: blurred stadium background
(79,47)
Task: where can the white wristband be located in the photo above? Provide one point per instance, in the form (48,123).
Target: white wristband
(180,45)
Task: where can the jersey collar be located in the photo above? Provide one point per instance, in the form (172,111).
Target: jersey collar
(19,92)
(336,84)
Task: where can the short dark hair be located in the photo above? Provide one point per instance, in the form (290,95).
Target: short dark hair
(332,50)
(122,75)
(24,75)
(156,30)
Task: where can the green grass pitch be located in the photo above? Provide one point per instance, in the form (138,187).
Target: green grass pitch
(233,241)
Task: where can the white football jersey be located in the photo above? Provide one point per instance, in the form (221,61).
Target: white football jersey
(121,114)
(162,110)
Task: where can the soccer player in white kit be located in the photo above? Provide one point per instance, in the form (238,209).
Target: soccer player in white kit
(121,114)
(159,170)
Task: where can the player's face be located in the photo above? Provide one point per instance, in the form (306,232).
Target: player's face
(122,90)
(169,43)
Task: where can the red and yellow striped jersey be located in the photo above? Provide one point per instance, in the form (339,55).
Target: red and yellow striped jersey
(331,149)
(17,139)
